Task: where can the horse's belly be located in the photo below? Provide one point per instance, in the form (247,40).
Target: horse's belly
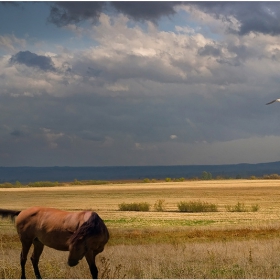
(57,242)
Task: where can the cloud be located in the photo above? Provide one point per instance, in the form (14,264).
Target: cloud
(128,58)
(116,69)
(33,60)
(129,89)
(117,88)
(150,10)
(260,17)
(64,13)
(209,50)
(51,137)
(11,42)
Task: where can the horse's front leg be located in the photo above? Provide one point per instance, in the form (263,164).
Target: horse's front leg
(90,257)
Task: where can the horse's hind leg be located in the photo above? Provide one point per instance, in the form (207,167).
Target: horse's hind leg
(23,256)
(38,249)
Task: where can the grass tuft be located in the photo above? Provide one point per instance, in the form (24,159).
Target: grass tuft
(196,206)
(142,206)
(240,207)
(159,205)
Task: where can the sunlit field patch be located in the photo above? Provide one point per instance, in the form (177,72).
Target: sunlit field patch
(138,222)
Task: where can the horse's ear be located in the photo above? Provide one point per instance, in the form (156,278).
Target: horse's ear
(87,216)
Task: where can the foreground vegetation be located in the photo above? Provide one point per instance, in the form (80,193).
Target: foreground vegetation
(162,242)
(195,260)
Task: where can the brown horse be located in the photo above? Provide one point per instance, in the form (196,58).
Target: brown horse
(81,233)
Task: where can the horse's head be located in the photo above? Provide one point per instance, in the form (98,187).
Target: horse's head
(80,247)
(77,251)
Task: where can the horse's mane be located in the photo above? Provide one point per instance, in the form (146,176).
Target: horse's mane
(91,227)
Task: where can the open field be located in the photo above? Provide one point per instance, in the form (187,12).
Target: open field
(167,244)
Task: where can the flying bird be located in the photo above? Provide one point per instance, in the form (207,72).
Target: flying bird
(276,100)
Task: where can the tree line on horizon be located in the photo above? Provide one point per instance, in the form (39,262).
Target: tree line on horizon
(204,176)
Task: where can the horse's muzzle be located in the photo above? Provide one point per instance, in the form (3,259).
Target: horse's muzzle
(72,262)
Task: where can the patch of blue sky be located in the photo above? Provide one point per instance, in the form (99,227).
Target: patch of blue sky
(181,22)
(170,23)
(208,33)
(19,20)
(30,22)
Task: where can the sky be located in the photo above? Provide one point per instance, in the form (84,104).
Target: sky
(139,83)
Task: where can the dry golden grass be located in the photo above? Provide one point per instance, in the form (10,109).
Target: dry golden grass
(224,259)
(166,244)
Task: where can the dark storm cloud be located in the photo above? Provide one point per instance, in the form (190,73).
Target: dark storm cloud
(262,17)
(145,10)
(33,60)
(259,17)
(63,13)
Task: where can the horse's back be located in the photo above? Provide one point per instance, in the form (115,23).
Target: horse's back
(36,216)
(51,226)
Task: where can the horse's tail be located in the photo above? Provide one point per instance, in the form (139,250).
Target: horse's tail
(5,213)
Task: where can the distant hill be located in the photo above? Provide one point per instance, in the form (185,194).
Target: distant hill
(67,174)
